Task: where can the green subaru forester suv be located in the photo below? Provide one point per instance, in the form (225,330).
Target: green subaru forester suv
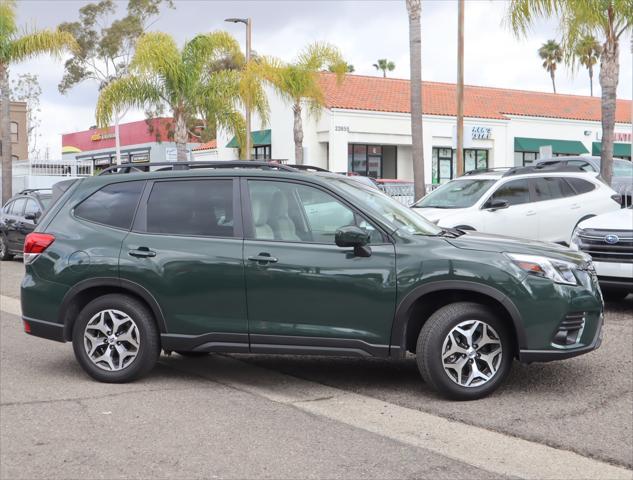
(269,259)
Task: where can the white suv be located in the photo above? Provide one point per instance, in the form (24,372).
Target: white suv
(536,203)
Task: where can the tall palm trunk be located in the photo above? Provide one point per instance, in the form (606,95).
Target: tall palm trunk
(415,57)
(298,133)
(591,80)
(609,73)
(180,137)
(5,135)
(117,139)
(552,74)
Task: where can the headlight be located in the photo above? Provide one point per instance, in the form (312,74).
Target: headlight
(558,271)
(574,243)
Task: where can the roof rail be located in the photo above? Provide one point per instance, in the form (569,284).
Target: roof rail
(144,167)
(31,190)
(539,167)
(485,170)
(306,168)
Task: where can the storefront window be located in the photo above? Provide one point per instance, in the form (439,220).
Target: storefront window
(14,132)
(525,158)
(365,160)
(444,162)
(262,152)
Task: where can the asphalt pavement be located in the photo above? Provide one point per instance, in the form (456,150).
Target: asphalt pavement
(243,416)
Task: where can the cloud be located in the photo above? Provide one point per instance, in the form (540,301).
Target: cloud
(364,31)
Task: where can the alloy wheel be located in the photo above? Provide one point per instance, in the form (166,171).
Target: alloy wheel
(111,340)
(472,353)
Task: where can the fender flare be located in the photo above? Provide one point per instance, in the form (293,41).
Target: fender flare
(132,287)
(401,319)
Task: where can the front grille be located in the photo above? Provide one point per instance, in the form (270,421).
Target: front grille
(569,329)
(594,242)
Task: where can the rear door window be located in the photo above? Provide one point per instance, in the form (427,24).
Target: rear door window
(31,207)
(551,188)
(579,185)
(192,207)
(114,205)
(515,192)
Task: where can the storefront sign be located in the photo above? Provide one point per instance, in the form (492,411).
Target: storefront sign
(481,133)
(101,136)
(624,137)
(341,128)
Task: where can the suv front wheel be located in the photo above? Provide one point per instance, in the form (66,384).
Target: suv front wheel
(115,339)
(464,351)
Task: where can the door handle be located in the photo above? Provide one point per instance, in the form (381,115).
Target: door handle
(263,258)
(530,213)
(142,252)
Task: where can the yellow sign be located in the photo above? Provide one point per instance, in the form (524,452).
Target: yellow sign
(101,136)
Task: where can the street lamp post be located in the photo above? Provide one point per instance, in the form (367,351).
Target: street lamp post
(247,107)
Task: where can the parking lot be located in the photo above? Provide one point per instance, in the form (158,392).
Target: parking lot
(238,416)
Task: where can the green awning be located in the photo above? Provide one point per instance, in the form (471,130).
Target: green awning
(568,147)
(258,137)
(619,149)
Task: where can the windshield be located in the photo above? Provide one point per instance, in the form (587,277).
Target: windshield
(402,218)
(456,194)
(622,168)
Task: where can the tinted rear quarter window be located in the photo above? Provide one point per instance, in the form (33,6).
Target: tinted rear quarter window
(579,185)
(191,207)
(551,188)
(113,205)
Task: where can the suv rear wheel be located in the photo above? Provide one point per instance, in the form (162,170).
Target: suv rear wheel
(115,339)
(464,351)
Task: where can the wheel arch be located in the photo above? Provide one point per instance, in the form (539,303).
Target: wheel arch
(419,304)
(87,290)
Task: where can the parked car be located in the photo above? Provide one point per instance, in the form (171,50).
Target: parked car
(400,190)
(255,260)
(621,182)
(18,218)
(608,238)
(536,203)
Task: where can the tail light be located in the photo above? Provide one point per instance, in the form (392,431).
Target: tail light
(617,198)
(35,243)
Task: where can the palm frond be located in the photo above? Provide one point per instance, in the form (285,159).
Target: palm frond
(130,91)
(206,48)
(521,14)
(7,27)
(53,42)
(157,53)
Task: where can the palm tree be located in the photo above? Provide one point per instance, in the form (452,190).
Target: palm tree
(551,54)
(607,20)
(588,52)
(196,82)
(15,48)
(383,64)
(414,9)
(298,82)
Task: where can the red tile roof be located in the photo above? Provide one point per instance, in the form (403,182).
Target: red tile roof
(359,92)
(206,146)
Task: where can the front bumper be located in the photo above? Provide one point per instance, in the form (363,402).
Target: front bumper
(530,356)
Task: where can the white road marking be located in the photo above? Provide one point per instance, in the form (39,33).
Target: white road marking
(488,450)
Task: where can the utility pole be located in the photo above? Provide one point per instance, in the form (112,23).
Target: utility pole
(460,88)
(247,107)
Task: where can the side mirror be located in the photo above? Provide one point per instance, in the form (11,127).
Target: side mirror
(31,216)
(353,236)
(493,205)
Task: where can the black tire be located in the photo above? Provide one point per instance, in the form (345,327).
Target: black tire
(149,338)
(4,249)
(614,294)
(185,353)
(431,340)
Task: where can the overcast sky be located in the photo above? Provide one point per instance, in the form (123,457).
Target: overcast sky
(364,30)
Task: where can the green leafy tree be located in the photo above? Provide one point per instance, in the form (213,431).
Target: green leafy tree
(588,52)
(106,46)
(385,66)
(298,82)
(191,83)
(552,54)
(414,9)
(607,20)
(16,47)
(350,68)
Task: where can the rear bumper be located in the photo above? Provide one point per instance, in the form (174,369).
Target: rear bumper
(530,356)
(44,329)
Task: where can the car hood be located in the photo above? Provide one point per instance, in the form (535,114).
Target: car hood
(436,214)
(496,243)
(617,220)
